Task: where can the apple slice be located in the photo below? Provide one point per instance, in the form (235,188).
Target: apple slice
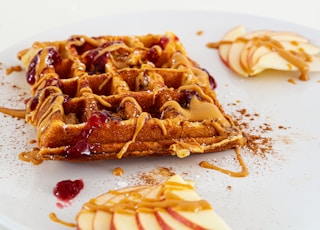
(85,220)
(274,61)
(230,36)
(301,47)
(298,47)
(245,55)
(287,36)
(167,221)
(102,220)
(122,221)
(145,219)
(197,220)
(234,61)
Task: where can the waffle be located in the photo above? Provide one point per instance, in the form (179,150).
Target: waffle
(173,204)
(111,97)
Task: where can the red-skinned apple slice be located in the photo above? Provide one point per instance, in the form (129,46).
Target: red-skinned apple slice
(102,220)
(291,41)
(230,36)
(249,47)
(249,54)
(85,220)
(146,219)
(287,36)
(148,192)
(196,220)
(274,61)
(168,222)
(276,35)
(185,221)
(121,220)
(91,220)
(236,59)
(301,47)
(287,45)
(233,60)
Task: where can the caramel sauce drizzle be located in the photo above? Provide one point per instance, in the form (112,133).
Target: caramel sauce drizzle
(198,111)
(118,171)
(244,170)
(12,69)
(31,156)
(19,113)
(139,125)
(132,201)
(54,218)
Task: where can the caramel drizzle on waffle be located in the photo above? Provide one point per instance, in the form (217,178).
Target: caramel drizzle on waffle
(141,95)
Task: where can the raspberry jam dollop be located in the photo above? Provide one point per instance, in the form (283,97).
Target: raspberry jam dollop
(82,147)
(66,190)
(53,58)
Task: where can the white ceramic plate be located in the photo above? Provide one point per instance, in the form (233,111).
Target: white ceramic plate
(282,189)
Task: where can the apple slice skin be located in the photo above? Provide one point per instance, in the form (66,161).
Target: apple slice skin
(249,53)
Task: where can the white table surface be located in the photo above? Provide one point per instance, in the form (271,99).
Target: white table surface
(22,19)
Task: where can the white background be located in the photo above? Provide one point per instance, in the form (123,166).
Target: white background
(21,19)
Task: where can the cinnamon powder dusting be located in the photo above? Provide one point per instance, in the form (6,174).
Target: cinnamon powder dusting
(259,141)
(155,176)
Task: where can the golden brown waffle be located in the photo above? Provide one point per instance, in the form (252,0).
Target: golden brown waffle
(111,97)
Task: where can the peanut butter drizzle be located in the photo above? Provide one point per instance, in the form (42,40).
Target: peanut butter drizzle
(299,60)
(19,113)
(32,156)
(161,125)
(118,171)
(139,125)
(198,111)
(133,101)
(194,77)
(243,173)
(131,202)
(12,69)
(197,89)
(54,218)
(183,149)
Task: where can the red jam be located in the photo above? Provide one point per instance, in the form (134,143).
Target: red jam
(81,146)
(53,58)
(152,55)
(96,59)
(67,189)
(164,42)
(212,81)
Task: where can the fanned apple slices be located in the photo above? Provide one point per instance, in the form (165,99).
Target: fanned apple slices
(173,204)
(250,53)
